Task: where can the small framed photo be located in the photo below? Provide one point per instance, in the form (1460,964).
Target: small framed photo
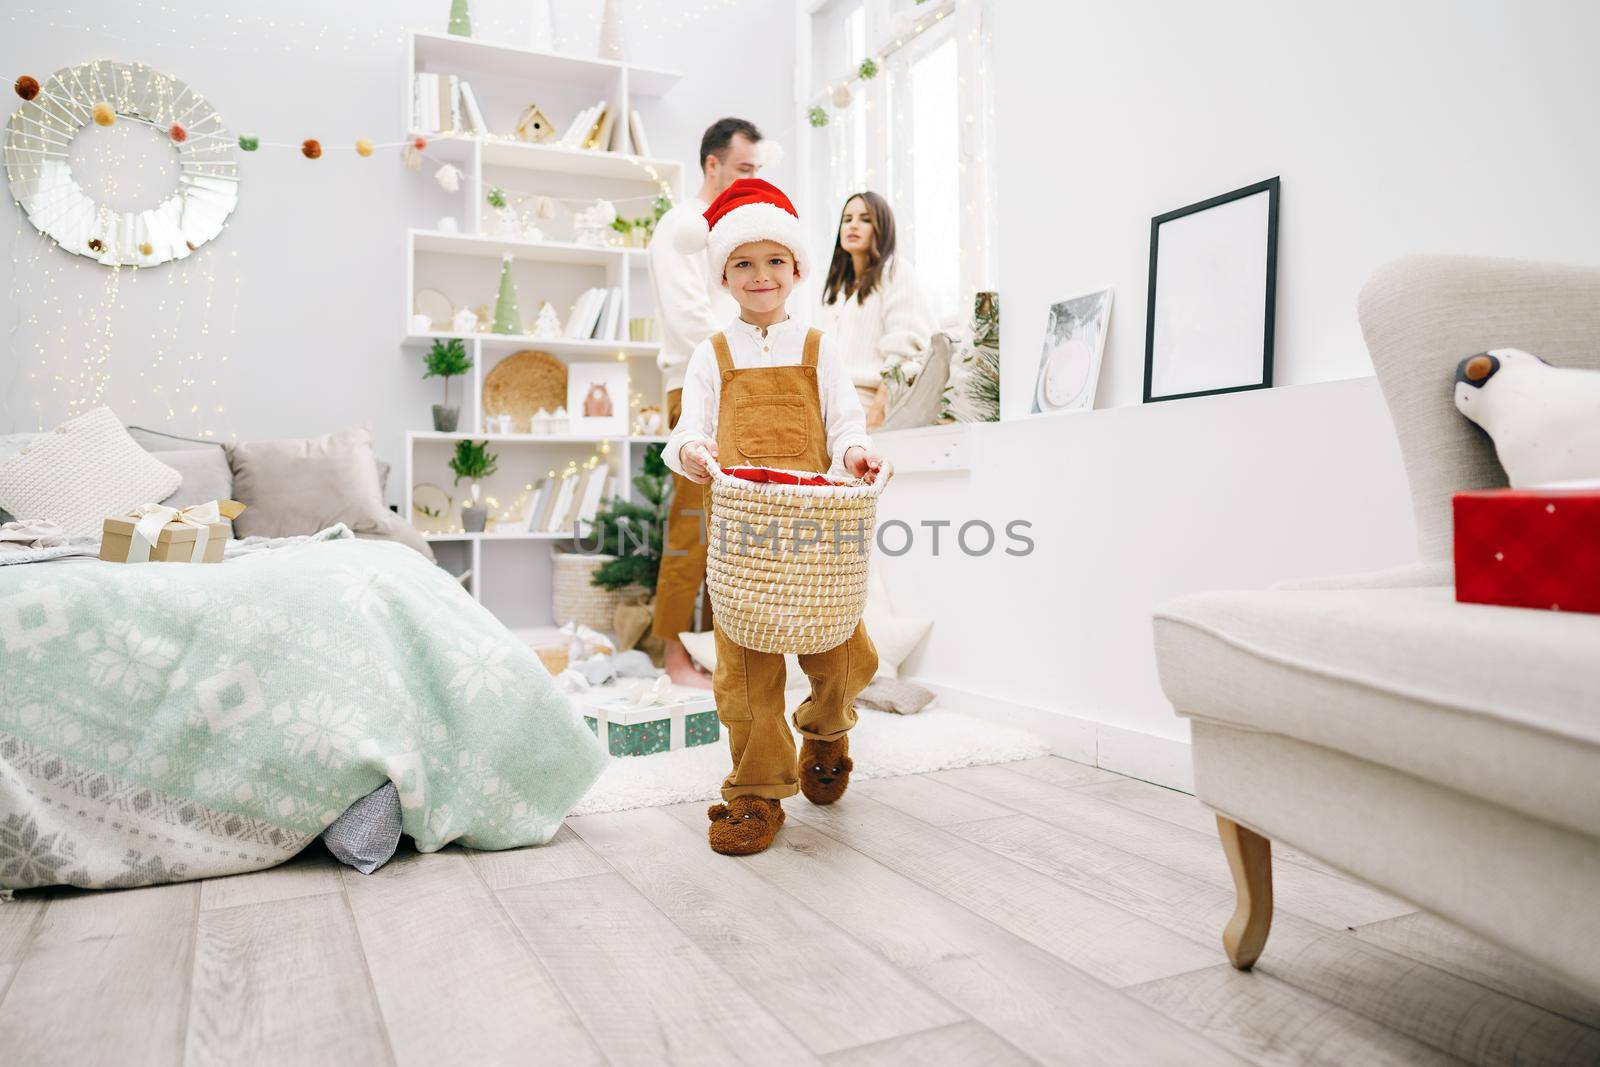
(1074,342)
(597,398)
(1213,274)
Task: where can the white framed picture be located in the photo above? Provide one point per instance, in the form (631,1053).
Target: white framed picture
(1074,343)
(597,398)
(1213,268)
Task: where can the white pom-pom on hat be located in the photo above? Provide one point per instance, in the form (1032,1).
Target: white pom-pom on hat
(692,236)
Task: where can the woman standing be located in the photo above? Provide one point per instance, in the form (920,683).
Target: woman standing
(871,303)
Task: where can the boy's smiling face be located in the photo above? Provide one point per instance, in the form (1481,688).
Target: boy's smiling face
(760,275)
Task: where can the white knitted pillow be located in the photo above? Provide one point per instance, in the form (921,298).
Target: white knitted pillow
(86,469)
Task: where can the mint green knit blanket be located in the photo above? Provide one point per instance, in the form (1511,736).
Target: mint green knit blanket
(164,721)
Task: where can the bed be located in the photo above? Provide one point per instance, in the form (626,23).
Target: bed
(163,722)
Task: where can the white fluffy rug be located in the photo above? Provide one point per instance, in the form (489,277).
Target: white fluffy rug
(882,744)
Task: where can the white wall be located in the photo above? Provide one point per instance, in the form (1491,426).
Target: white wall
(1129,508)
(302,291)
(1403,126)
(1397,126)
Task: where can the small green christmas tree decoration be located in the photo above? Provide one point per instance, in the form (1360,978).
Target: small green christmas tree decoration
(460,18)
(633,533)
(507,319)
(447,359)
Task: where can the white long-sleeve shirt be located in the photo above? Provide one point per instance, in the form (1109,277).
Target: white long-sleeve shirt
(687,310)
(782,346)
(895,322)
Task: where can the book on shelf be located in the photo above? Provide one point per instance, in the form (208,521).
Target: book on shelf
(606,330)
(636,127)
(469,101)
(556,521)
(593,489)
(436,103)
(536,503)
(449,104)
(602,137)
(571,131)
(585,313)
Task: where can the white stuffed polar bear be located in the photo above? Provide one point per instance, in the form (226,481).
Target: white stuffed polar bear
(1544,420)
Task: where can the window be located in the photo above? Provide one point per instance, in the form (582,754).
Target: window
(918,133)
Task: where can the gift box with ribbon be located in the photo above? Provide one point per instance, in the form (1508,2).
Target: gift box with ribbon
(650,718)
(154,533)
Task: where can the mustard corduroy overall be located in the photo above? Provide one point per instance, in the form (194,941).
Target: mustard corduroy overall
(772,417)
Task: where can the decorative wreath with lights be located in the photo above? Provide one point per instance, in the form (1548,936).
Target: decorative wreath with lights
(37,159)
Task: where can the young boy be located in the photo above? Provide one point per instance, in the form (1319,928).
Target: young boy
(769,392)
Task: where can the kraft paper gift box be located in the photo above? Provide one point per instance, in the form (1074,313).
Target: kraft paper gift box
(154,533)
(626,728)
(1529,548)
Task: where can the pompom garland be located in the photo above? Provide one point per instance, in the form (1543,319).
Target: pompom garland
(311,148)
(104,115)
(27,87)
(363,148)
(249,144)
(178,133)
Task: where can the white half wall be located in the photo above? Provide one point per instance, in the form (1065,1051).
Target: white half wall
(1130,507)
(1397,126)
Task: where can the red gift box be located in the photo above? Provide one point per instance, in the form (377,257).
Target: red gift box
(1529,548)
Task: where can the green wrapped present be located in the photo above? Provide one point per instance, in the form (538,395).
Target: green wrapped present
(685,718)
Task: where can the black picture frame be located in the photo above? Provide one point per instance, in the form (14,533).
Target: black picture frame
(1271,188)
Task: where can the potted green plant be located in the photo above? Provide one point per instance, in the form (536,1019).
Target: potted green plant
(473,461)
(447,359)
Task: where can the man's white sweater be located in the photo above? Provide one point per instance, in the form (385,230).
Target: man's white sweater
(688,310)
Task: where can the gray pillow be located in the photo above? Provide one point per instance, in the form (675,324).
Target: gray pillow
(896,695)
(368,832)
(160,441)
(302,485)
(206,475)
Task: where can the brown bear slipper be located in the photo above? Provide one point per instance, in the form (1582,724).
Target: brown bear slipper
(744,825)
(825,769)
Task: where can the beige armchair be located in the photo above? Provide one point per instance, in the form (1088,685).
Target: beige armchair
(1447,753)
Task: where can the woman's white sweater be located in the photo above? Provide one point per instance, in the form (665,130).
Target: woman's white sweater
(894,323)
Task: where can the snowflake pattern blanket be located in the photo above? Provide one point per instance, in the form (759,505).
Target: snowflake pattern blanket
(161,721)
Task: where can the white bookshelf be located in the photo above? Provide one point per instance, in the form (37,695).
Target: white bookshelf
(510,568)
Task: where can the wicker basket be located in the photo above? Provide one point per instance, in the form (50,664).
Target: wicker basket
(803,591)
(577,598)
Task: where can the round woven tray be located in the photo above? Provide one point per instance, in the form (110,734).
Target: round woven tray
(803,590)
(523,384)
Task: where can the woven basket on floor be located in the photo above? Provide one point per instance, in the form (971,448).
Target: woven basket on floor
(803,591)
(577,598)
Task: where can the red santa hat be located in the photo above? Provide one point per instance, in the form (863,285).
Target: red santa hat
(748,210)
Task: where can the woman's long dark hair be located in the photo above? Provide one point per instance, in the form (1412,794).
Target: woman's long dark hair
(842,270)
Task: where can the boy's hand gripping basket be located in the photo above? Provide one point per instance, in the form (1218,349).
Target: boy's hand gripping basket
(787,562)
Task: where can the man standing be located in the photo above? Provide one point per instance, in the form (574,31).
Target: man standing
(690,309)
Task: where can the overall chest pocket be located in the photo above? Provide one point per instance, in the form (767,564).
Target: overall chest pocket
(771,425)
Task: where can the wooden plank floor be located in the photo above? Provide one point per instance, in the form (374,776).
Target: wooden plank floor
(1035,912)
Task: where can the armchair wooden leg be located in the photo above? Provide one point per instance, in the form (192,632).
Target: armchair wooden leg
(1250,859)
